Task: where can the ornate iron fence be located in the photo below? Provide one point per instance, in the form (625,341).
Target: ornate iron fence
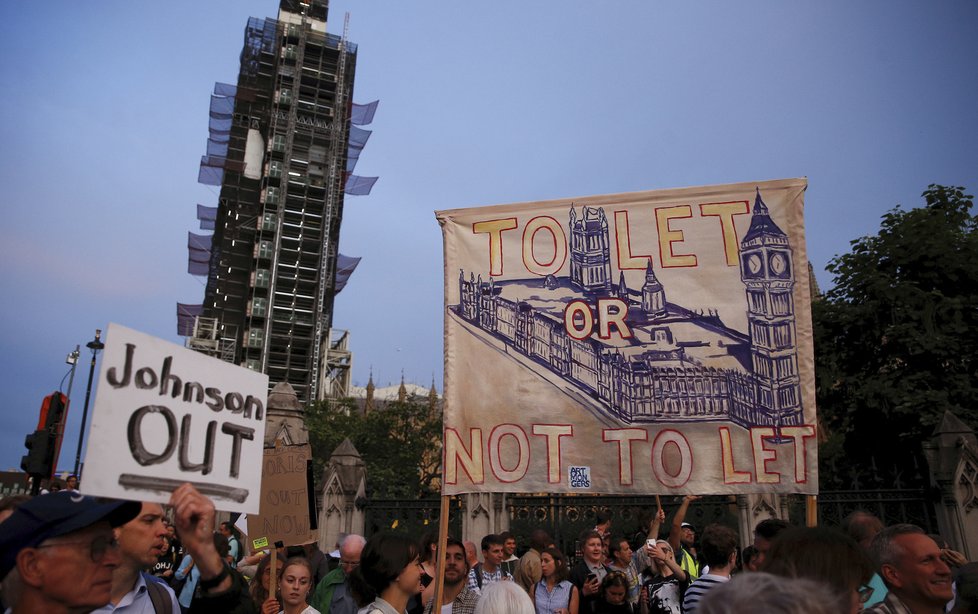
(565,517)
(894,494)
(892,506)
(414,517)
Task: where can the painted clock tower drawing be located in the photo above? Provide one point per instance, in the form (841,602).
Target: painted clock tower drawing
(766,269)
(590,265)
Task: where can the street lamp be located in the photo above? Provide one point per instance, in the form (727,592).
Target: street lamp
(95,345)
(71,359)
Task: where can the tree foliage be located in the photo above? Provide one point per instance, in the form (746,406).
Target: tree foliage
(896,338)
(400,443)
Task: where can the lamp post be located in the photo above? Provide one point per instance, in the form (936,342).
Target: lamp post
(95,345)
(72,359)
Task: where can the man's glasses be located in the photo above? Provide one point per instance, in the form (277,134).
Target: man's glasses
(350,564)
(97,548)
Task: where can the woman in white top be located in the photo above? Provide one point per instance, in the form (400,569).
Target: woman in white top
(554,593)
(293,589)
(389,574)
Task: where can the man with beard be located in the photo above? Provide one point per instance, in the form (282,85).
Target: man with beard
(141,542)
(509,551)
(456,595)
(682,538)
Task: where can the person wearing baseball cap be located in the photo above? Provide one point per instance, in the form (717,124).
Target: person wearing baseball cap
(682,538)
(58,551)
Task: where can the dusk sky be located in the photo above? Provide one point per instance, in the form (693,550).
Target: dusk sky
(105,108)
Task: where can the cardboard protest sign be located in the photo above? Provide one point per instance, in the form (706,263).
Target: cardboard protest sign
(165,415)
(284,514)
(647,342)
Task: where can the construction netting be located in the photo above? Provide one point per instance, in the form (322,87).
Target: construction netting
(212,164)
(359,186)
(345,265)
(358,140)
(363,114)
(186,314)
(199,248)
(207,216)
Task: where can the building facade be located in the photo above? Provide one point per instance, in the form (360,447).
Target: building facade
(279,150)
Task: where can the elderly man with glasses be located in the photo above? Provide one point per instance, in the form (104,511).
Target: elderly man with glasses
(58,552)
(332,594)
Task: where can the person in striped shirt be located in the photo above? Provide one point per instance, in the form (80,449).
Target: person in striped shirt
(718,547)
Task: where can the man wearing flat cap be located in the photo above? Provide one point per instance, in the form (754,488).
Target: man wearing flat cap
(58,551)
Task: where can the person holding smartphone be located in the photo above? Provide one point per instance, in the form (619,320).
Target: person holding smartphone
(588,572)
(664,583)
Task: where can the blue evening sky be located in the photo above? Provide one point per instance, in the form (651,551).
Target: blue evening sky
(104,120)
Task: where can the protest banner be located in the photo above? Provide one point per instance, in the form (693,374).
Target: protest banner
(645,342)
(165,415)
(284,514)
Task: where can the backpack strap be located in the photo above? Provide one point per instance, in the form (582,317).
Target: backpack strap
(478,574)
(162,603)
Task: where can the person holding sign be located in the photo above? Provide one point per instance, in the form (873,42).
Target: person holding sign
(261,584)
(222,589)
(389,574)
(456,596)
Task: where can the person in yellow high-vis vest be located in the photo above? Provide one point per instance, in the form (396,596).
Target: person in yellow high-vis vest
(682,537)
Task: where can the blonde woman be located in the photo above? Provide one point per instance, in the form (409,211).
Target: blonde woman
(664,582)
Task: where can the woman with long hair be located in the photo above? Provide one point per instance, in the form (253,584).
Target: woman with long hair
(613,598)
(293,589)
(429,565)
(389,574)
(261,584)
(554,593)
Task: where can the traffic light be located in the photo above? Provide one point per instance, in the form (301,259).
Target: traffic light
(52,411)
(41,445)
(40,454)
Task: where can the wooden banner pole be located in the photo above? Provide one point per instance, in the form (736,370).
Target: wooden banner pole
(439,562)
(811,510)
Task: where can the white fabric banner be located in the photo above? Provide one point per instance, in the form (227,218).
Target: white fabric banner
(647,342)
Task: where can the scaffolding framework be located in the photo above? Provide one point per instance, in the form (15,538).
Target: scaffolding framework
(268,304)
(337,363)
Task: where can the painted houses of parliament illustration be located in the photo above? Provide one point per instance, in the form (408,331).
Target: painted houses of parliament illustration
(679,365)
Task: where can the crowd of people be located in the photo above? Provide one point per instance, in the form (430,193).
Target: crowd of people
(66,552)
